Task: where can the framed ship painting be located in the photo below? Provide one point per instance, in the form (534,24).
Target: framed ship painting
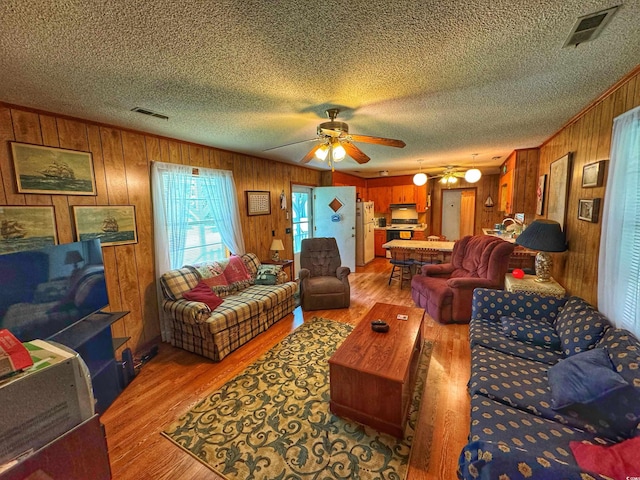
(112,225)
(26,228)
(53,171)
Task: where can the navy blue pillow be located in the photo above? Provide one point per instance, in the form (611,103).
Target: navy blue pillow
(583,378)
(537,332)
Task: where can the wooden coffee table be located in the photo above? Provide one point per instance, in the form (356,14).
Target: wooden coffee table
(372,374)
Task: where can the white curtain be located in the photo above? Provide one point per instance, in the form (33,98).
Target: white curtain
(169,209)
(619,260)
(221,192)
(171,194)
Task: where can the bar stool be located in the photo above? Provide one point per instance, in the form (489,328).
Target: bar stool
(403,262)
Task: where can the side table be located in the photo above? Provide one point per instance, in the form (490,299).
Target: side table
(284,263)
(528,284)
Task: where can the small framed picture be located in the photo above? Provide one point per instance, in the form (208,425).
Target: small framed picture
(112,225)
(258,202)
(26,228)
(52,170)
(593,174)
(542,183)
(589,209)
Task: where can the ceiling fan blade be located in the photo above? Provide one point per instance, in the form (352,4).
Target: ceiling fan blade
(307,158)
(389,142)
(354,152)
(293,143)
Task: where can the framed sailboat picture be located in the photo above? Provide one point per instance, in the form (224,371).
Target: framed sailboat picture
(53,171)
(112,225)
(26,228)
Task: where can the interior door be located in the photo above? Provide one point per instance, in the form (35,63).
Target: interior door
(451,200)
(467,212)
(334,215)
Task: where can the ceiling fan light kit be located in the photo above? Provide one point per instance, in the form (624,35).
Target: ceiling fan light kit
(336,142)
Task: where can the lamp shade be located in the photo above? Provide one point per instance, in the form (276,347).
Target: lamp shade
(420,179)
(472,175)
(544,236)
(276,244)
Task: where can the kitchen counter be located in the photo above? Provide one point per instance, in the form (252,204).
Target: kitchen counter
(508,236)
(422,228)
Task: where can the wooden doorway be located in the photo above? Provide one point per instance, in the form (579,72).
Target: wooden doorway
(458,212)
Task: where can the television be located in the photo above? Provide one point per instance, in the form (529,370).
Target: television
(47,290)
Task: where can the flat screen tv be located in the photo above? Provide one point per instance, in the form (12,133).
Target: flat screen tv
(45,291)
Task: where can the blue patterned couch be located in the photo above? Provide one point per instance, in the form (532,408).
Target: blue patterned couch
(523,347)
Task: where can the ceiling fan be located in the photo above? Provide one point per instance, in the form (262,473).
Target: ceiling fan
(335,142)
(450,175)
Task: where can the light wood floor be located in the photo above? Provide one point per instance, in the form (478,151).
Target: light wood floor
(175,380)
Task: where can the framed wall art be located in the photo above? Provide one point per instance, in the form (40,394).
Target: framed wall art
(258,202)
(26,228)
(558,189)
(53,171)
(589,209)
(113,224)
(542,183)
(593,174)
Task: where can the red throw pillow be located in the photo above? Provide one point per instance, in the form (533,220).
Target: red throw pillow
(619,461)
(236,270)
(202,293)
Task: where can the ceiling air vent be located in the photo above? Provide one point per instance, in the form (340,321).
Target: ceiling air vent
(144,111)
(588,27)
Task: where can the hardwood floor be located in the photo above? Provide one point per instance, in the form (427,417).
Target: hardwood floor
(175,380)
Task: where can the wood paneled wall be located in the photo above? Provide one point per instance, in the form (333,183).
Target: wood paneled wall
(588,137)
(122,163)
(485,217)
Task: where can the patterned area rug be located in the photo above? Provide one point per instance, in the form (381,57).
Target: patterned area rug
(273,421)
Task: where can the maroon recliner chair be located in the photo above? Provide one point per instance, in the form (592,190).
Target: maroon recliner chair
(445,290)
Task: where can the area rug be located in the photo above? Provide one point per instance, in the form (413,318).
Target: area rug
(273,420)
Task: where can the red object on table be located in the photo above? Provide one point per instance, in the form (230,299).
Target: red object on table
(517,273)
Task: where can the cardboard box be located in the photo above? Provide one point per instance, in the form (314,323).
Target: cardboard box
(13,355)
(44,401)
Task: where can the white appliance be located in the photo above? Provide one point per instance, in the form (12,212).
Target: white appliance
(364,233)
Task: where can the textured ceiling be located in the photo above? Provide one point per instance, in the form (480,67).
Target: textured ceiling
(450,78)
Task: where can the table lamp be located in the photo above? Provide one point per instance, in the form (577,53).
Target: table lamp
(544,236)
(276,246)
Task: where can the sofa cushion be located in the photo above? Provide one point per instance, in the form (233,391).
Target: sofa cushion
(324,285)
(270,295)
(537,332)
(616,461)
(175,282)
(233,311)
(583,378)
(489,334)
(203,293)
(523,384)
(252,263)
(579,326)
(495,422)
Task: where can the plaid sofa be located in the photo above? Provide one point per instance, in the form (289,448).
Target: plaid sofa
(516,429)
(246,310)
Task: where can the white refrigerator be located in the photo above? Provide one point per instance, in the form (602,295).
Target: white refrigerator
(364,233)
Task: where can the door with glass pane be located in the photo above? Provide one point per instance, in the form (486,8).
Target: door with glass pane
(302,220)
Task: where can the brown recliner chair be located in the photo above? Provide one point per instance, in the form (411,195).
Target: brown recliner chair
(445,290)
(324,283)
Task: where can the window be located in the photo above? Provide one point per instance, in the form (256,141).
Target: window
(301,218)
(195,219)
(203,241)
(619,259)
